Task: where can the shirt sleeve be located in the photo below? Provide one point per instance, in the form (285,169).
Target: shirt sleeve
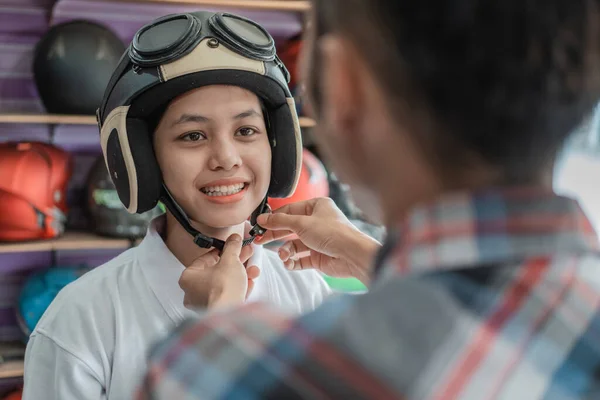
(255,353)
(53,373)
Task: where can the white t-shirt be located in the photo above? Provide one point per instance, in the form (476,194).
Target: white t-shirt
(92,342)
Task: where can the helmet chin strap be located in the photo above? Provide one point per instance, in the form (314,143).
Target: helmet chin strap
(206,242)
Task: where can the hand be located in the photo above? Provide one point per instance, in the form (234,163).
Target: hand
(216,281)
(318,235)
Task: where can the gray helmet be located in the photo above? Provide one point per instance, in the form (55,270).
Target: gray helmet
(107,213)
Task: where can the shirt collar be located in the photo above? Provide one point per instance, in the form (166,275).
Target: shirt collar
(462,230)
(163,270)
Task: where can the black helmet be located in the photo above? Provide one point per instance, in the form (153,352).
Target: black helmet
(107,214)
(173,55)
(72,65)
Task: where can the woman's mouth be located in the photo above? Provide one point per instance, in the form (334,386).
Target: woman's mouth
(225,194)
(220,191)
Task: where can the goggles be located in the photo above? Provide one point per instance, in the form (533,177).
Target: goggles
(174,36)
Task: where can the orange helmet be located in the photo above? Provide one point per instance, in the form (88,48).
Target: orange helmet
(313,182)
(15,395)
(289,55)
(33,190)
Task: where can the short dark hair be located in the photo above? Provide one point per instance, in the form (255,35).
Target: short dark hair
(505,80)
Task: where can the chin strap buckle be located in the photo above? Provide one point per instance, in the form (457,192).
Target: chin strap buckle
(258,230)
(204,241)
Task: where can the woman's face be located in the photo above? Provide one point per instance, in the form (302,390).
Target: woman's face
(212,148)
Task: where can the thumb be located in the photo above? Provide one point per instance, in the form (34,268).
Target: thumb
(206,260)
(281,221)
(233,247)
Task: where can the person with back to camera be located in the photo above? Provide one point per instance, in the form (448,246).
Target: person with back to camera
(445,116)
(210,133)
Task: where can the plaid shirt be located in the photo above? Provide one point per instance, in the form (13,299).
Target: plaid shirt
(489,296)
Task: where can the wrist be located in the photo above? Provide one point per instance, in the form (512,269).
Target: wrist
(364,249)
(219,298)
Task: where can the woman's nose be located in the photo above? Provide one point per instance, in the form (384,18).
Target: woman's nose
(224,155)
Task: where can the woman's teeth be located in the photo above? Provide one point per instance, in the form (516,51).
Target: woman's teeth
(223,190)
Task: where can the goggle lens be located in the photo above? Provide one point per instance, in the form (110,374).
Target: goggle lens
(164,40)
(161,37)
(247,31)
(173,36)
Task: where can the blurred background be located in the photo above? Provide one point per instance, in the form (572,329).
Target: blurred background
(59,212)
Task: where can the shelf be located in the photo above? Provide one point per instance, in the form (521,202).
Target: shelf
(307,122)
(55,119)
(12,369)
(69,241)
(268,5)
(58,119)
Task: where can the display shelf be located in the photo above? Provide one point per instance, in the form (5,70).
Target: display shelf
(59,119)
(267,5)
(306,122)
(11,369)
(54,119)
(69,241)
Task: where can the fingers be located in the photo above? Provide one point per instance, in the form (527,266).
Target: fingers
(282,226)
(301,208)
(294,218)
(308,207)
(299,264)
(187,302)
(281,221)
(246,253)
(294,249)
(271,236)
(253,272)
(250,288)
(206,260)
(232,248)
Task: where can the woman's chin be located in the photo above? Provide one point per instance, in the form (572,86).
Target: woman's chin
(224,220)
(222,216)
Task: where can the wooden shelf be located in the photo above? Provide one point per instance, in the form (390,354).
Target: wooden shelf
(269,5)
(69,241)
(58,119)
(47,119)
(11,369)
(306,122)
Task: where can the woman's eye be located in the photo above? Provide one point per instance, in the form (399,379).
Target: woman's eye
(246,132)
(192,136)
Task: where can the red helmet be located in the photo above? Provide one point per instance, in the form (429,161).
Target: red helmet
(15,395)
(33,190)
(289,55)
(313,182)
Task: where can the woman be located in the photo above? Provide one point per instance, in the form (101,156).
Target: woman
(210,130)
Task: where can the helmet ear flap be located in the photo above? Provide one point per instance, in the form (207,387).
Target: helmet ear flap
(286,151)
(131,162)
(147,169)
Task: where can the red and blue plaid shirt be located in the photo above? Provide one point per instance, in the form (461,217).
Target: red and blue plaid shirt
(488,296)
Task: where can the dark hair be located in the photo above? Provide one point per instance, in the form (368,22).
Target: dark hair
(504,80)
